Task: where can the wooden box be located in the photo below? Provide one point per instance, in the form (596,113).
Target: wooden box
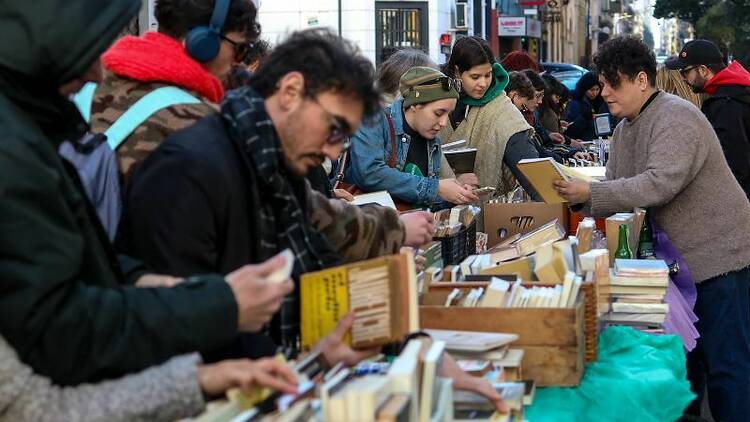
(552,338)
(502,221)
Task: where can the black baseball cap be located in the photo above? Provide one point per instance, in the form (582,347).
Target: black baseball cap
(695,52)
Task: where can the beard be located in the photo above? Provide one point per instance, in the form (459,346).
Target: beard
(697,86)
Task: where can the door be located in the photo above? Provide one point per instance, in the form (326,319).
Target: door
(400,24)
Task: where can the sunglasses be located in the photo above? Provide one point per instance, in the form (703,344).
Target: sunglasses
(339,133)
(445,82)
(241,49)
(687,70)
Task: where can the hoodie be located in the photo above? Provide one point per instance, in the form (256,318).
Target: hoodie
(728,110)
(63,304)
(734,74)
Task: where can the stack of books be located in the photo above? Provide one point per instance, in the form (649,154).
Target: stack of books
(636,291)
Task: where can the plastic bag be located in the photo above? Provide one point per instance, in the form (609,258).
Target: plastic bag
(637,377)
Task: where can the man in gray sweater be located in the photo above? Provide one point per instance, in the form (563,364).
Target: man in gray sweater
(666,157)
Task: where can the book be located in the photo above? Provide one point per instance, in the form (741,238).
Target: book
(632,290)
(431,363)
(640,308)
(496,354)
(549,264)
(459,144)
(631,318)
(382,293)
(461,160)
(529,390)
(474,367)
(641,267)
(365,395)
(521,267)
(543,172)
(395,409)
(531,241)
(471,341)
(333,411)
(403,374)
(494,296)
(616,279)
(382,198)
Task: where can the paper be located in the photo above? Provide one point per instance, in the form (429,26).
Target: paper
(382,198)
(285,272)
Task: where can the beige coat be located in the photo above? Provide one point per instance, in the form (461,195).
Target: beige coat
(488,129)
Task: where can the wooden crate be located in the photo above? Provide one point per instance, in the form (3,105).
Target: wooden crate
(552,338)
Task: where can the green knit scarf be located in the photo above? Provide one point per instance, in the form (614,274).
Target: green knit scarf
(499,83)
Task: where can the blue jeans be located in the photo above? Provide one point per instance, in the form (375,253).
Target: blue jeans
(721,360)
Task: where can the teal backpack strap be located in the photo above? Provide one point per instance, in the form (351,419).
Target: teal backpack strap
(139,112)
(83,99)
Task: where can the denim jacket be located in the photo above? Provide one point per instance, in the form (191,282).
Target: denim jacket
(371,148)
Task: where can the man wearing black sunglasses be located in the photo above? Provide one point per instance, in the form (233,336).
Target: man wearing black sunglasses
(136,66)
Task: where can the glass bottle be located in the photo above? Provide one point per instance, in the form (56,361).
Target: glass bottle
(623,248)
(646,242)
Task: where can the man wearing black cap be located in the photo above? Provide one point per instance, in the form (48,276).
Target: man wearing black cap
(702,66)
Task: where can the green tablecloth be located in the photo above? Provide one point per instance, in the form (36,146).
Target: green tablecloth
(636,377)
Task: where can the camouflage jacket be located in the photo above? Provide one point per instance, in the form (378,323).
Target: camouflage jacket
(116,94)
(356,233)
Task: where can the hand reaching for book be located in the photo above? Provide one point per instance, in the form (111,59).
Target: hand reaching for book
(454,192)
(419,227)
(334,349)
(468,179)
(215,379)
(464,381)
(257,298)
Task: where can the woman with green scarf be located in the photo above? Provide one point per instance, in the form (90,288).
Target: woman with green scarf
(486,118)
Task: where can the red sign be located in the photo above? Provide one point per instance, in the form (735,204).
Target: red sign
(530,2)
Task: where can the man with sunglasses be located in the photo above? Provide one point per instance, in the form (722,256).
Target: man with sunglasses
(400,151)
(136,66)
(701,65)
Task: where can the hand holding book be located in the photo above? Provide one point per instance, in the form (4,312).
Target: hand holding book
(574,191)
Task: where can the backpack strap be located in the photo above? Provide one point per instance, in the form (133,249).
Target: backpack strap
(83,99)
(392,159)
(139,112)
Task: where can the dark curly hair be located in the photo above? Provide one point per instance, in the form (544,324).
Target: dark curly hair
(327,62)
(519,60)
(177,17)
(519,82)
(257,50)
(625,55)
(468,52)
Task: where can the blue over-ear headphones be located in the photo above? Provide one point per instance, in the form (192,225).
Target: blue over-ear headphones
(203,42)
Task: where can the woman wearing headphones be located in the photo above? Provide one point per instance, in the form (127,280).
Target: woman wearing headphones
(197,43)
(486,118)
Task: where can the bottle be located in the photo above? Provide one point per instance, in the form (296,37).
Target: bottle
(623,248)
(646,242)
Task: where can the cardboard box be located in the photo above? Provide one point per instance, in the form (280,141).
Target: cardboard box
(552,338)
(504,220)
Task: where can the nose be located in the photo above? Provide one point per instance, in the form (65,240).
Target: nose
(332,151)
(443,122)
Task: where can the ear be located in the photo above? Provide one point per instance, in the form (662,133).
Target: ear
(643,81)
(291,90)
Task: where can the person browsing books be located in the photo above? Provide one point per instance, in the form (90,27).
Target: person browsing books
(400,151)
(485,117)
(666,157)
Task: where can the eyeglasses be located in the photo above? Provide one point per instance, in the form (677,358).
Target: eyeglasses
(687,70)
(445,82)
(339,132)
(241,49)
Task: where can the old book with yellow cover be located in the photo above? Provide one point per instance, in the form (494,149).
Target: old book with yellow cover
(543,172)
(382,292)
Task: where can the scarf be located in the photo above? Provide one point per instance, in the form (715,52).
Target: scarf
(499,82)
(283,219)
(157,57)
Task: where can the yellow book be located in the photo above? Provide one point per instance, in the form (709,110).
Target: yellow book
(382,292)
(542,172)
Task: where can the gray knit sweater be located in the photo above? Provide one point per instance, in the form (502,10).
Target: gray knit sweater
(162,393)
(669,160)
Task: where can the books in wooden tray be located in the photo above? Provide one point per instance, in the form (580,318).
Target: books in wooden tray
(461,160)
(382,293)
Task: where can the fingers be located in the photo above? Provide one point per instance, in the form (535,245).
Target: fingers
(267,379)
(343,194)
(344,325)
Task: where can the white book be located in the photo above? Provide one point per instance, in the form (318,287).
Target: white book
(574,292)
(471,341)
(382,198)
(567,288)
(403,375)
(640,308)
(431,363)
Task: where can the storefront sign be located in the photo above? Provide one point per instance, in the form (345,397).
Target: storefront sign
(519,26)
(511,26)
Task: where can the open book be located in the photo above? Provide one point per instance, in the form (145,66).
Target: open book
(382,292)
(542,172)
(461,160)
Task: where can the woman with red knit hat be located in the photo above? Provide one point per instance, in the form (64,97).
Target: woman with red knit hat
(177,55)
